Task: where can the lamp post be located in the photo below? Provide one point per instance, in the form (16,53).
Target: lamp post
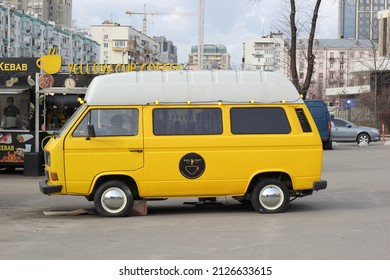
(123,54)
(349,109)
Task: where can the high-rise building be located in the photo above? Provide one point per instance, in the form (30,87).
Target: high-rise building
(167,50)
(57,11)
(265,53)
(358,19)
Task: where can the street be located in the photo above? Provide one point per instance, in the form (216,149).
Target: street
(348,220)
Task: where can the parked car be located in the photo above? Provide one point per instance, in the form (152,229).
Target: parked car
(346,131)
(321,116)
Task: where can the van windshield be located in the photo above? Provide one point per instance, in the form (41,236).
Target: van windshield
(70,121)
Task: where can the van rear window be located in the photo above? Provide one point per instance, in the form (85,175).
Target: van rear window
(262,120)
(303,120)
(183,121)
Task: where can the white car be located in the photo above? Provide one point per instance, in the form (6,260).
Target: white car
(345,131)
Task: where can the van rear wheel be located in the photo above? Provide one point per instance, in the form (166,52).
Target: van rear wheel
(270,196)
(113,199)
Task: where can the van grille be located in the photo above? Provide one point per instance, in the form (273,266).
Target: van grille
(303,120)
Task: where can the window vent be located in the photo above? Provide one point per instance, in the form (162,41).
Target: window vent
(303,120)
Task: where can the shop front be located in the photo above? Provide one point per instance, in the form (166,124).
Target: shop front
(37,97)
(32,106)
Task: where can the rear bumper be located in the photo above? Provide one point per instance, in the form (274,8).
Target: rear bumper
(320,185)
(49,189)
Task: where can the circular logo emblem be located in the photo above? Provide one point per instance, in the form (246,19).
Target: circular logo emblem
(192,166)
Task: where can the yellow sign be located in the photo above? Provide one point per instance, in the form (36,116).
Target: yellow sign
(50,63)
(13,67)
(98,68)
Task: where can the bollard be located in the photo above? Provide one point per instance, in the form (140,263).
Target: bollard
(383,132)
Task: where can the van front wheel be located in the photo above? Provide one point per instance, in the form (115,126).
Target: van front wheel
(270,196)
(113,199)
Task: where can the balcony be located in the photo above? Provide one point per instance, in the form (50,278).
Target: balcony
(258,55)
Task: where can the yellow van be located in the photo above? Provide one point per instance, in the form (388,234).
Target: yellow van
(202,134)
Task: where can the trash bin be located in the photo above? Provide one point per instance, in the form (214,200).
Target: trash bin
(33,164)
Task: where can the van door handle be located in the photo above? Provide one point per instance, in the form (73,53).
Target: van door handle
(135,150)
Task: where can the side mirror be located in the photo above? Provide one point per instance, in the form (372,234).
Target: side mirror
(349,126)
(91,132)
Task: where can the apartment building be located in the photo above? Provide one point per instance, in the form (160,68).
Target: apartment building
(334,61)
(57,11)
(266,53)
(23,35)
(123,44)
(214,57)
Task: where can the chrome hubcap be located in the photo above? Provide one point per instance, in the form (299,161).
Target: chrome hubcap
(114,200)
(271,197)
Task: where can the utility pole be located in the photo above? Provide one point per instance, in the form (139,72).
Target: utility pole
(201,34)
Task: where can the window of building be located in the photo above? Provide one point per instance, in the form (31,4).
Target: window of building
(342,54)
(120,43)
(256,121)
(183,121)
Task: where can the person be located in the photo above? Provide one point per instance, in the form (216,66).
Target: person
(117,126)
(10,115)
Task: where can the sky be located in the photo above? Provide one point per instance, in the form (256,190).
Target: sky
(226,22)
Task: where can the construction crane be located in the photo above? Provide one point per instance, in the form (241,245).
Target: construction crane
(157,14)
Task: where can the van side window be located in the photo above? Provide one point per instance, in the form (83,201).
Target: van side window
(109,122)
(183,121)
(303,120)
(264,120)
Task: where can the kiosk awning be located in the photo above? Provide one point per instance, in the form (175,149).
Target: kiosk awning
(63,90)
(12,90)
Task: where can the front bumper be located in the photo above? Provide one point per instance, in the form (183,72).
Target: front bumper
(49,189)
(320,185)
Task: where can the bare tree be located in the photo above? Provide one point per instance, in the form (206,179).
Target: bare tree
(294,27)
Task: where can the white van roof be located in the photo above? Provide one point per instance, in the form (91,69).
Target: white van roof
(199,86)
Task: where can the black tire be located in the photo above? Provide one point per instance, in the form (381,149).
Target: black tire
(270,196)
(113,199)
(363,137)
